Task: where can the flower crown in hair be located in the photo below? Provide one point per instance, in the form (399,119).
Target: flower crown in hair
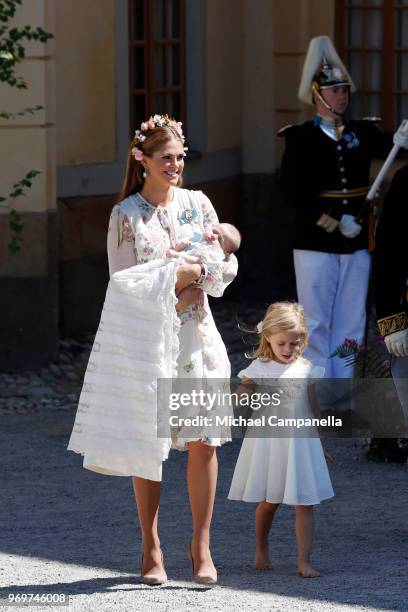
(152,123)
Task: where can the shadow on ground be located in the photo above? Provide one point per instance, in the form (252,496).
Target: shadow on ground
(54,512)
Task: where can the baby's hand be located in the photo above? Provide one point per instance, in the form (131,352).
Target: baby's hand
(171,253)
(180,246)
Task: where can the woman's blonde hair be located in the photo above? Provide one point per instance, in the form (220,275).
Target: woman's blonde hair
(281,317)
(155,139)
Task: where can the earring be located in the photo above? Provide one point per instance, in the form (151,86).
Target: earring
(144,173)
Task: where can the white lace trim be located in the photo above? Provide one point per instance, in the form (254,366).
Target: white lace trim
(136,343)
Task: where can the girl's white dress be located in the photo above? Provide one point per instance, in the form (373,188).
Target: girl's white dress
(141,340)
(276,469)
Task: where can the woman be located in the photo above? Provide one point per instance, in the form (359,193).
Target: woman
(155,214)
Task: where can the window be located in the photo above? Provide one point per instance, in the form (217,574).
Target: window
(156,59)
(372,38)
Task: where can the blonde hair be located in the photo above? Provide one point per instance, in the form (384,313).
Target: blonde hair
(281,317)
(156,138)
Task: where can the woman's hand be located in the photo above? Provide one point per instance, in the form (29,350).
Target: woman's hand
(187,273)
(188,296)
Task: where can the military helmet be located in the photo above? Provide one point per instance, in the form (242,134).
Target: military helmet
(322,68)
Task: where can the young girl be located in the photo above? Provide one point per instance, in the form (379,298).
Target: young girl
(278,470)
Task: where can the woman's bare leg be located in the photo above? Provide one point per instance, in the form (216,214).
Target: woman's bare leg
(304,538)
(147,494)
(202,470)
(264,515)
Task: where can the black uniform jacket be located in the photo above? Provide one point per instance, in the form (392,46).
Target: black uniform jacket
(320,175)
(390,261)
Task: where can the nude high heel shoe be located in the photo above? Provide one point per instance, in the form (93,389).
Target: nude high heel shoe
(208,578)
(153,578)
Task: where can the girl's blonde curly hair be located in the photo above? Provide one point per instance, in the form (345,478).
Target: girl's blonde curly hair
(281,317)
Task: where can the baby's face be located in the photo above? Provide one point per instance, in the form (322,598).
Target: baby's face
(223,240)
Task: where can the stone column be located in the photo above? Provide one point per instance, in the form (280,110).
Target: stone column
(258,254)
(29,278)
(296,22)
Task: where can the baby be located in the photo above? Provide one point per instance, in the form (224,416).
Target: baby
(218,242)
(215,246)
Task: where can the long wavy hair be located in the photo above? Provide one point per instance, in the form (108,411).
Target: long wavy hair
(281,317)
(155,140)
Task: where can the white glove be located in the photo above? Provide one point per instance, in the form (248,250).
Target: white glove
(401,135)
(327,223)
(397,343)
(348,226)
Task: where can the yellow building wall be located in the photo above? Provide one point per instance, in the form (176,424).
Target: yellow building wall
(28,143)
(255,54)
(224,73)
(295,23)
(85,81)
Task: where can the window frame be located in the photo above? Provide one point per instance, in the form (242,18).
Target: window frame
(149,43)
(389,53)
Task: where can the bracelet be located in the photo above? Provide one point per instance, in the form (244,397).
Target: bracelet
(203,274)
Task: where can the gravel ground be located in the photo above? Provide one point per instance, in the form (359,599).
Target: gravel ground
(68,531)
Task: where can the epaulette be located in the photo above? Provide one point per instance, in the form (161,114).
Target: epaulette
(282,131)
(373,119)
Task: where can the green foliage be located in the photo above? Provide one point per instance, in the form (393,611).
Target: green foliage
(12,53)
(8,9)
(16,227)
(15,223)
(26,111)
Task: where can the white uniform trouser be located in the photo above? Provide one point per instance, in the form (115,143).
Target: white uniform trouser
(332,289)
(399,370)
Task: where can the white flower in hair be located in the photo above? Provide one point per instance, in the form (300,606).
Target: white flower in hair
(151,124)
(259,327)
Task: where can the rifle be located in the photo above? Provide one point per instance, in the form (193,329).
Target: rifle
(375,186)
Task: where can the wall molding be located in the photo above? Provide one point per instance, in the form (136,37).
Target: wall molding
(105,178)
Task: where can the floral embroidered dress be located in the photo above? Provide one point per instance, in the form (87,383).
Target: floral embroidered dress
(139,233)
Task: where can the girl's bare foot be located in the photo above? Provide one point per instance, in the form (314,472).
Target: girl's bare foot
(262,561)
(264,514)
(307,571)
